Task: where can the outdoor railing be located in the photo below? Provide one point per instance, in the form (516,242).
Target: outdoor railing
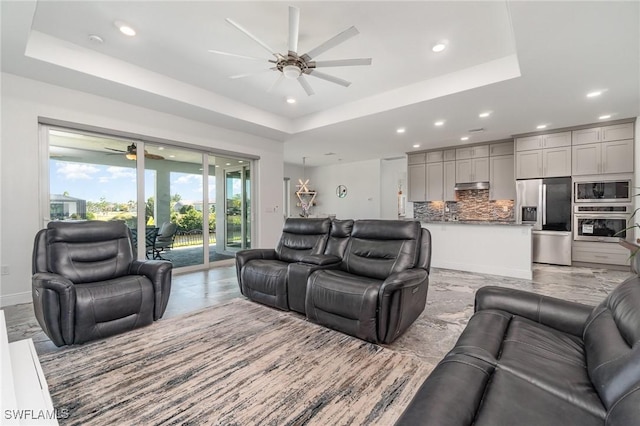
(192,238)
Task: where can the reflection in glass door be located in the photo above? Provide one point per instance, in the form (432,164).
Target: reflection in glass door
(237,212)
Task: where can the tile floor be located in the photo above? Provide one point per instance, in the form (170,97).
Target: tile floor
(449,301)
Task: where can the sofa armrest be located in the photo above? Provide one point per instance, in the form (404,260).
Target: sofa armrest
(320,259)
(563,315)
(54,305)
(159,272)
(401,299)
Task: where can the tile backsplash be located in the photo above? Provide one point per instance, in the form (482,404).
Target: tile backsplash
(472,204)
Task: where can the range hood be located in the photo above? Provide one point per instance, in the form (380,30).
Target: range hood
(471,185)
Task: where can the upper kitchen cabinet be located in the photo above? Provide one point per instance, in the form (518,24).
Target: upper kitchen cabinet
(603,150)
(502,184)
(477,151)
(449,180)
(543,156)
(417,182)
(472,170)
(435,181)
(419,158)
(603,158)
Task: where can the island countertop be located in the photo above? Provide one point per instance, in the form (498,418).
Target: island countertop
(482,246)
(476,222)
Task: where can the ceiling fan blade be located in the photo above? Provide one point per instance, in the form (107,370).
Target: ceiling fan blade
(343,62)
(330,78)
(113,149)
(332,42)
(153,156)
(249,74)
(305,85)
(276,83)
(294,26)
(252,37)
(235,55)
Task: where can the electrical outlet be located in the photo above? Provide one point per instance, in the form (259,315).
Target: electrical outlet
(5,270)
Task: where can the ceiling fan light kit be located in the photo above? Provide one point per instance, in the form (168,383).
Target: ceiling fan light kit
(294,66)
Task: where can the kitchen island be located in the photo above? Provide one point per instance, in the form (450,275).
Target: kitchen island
(497,248)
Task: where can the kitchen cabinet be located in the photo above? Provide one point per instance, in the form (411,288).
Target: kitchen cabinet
(477,151)
(434,156)
(615,132)
(435,181)
(597,252)
(416,174)
(504,148)
(450,155)
(449,180)
(603,158)
(419,158)
(502,178)
(543,156)
(472,170)
(551,140)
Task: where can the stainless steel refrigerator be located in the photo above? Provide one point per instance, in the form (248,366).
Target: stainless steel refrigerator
(546,205)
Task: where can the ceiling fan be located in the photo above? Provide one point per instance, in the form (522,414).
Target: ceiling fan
(132,153)
(294,66)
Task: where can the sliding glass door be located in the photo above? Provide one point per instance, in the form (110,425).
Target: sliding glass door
(238,211)
(167,196)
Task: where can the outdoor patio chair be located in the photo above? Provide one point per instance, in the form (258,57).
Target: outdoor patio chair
(164,240)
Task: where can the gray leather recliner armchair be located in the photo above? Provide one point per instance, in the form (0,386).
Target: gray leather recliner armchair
(87,284)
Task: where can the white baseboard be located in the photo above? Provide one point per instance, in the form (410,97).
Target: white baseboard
(525,274)
(15,299)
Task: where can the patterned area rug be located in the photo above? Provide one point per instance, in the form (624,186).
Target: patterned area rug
(235,364)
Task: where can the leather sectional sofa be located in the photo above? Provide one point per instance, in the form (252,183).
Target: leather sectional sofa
(526,359)
(366,278)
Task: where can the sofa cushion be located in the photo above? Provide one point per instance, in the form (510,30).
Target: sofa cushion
(612,342)
(344,302)
(302,236)
(512,400)
(550,360)
(483,335)
(265,281)
(113,306)
(339,237)
(88,251)
(378,248)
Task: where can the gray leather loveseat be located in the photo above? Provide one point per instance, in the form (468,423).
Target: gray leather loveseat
(366,278)
(529,360)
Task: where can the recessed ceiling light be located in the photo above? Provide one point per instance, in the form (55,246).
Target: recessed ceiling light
(125,29)
(541,126)
(416,145)
(439,47)
(439,123)
(161,148)
(291,101)
(594,94)
(96,39)
(172,156)
(464,138)
(604,117)
(240,161)
(484,114)
(227,164)
(401,130)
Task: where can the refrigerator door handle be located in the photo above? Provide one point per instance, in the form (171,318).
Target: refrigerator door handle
(544,204)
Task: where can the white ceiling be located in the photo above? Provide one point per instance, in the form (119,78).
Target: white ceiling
(527,62)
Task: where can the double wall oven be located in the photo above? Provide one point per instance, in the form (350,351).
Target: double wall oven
(601,210)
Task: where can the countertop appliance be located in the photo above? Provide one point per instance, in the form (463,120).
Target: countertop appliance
(546,204)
